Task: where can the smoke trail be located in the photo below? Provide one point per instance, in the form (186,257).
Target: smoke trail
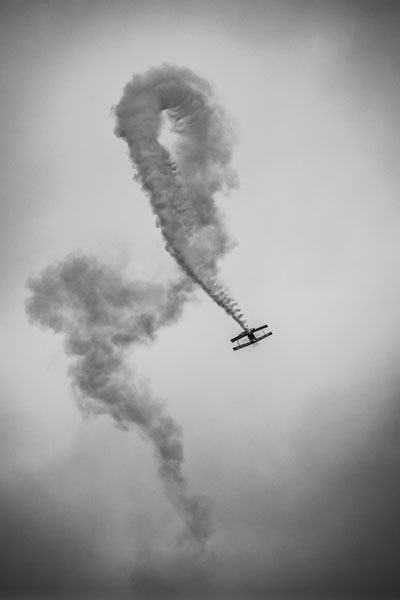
(182,194)
(100,315)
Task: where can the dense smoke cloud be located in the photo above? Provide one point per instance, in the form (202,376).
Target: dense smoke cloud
(100,315)
(181,189)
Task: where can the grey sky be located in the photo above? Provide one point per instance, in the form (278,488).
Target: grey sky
(295,442)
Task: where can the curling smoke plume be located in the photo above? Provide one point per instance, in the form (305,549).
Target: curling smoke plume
(181,189)
(101,315)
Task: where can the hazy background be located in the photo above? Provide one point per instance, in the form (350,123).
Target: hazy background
(295,440)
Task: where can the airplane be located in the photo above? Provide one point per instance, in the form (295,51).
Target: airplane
(252,336)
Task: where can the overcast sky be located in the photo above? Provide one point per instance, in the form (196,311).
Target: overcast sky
(293,441)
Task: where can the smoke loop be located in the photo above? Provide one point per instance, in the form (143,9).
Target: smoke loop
(182,189)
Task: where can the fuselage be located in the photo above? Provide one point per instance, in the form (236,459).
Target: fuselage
(251,335)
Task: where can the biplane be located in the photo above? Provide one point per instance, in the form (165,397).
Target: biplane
(250,336)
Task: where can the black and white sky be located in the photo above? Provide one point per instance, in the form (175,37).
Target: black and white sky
(294,442)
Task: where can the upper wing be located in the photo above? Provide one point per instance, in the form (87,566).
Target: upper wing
(238,337)
(261,327)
